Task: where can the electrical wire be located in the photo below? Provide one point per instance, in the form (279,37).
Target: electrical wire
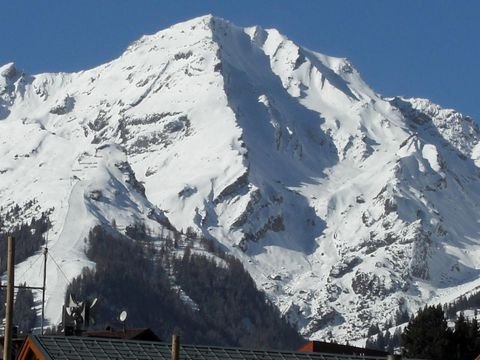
(34,261)
(59,268)
(31,266)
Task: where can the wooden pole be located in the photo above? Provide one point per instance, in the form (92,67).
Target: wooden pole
(7,342)
(175,347)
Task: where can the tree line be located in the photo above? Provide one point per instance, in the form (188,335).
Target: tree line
(428,336)
(28,239)
(471,301)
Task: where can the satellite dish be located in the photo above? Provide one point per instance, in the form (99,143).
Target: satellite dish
(123,316)
(94,302)
(71,302)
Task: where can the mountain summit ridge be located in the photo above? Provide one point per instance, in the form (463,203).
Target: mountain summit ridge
(343,205)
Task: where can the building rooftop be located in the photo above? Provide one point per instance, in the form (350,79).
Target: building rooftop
(89,348)
(333,348)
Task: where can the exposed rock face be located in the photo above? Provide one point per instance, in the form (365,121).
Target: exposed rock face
(63,106)
(343,205)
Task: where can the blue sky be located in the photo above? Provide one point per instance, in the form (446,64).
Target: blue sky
(421,48)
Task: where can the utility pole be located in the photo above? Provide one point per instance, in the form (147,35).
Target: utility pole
(45,253)
(7,342)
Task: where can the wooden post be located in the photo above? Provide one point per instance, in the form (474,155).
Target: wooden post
(7,342)
(175,347)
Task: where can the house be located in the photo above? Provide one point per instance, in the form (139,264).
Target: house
(88,348)
(333,348)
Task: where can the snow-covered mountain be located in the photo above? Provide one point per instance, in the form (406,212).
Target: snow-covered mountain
(345,206)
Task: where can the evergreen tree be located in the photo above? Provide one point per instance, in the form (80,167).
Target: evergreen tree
(380,343)
(466,338)
(373,330)
(461,336)
(401,316)
(24,314)
(427,335)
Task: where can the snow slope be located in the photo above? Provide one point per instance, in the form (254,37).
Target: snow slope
(343,205)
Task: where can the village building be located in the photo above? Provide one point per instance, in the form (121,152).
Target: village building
(89,348)
(333,348)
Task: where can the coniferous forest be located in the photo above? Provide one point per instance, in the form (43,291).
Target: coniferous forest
(29,237)
(428,336)
(24,314)
(206,299)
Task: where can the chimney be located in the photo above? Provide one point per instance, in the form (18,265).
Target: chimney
(175,347)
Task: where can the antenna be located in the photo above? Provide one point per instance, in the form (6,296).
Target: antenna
(123,316)
(94,302)
(45,254)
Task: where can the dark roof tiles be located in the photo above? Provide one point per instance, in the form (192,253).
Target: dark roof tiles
(86,348)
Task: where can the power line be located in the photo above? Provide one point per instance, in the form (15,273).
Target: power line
(31,265)
(34,261)
(59,268)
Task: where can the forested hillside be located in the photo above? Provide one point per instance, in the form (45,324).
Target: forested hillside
(432,334)
(207,299)
(29,236)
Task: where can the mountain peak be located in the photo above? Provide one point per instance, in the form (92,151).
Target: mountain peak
(337,200)
(208,20)
(187,32)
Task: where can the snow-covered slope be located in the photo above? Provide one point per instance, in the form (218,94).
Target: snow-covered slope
(345,206)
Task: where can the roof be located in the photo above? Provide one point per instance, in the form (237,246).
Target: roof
(130,334)
(89,348)
(333,348)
